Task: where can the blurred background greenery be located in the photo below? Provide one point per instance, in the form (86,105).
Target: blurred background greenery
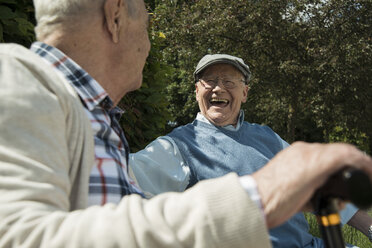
(350,234)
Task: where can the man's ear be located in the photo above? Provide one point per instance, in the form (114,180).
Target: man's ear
(115,17)
(245,93)
(196,91)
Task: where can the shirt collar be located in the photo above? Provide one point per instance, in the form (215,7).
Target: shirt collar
(201,117)
(89,90)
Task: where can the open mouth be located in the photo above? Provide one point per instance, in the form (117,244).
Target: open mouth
(218,102)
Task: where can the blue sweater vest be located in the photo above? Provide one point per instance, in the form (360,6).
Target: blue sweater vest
(212,151)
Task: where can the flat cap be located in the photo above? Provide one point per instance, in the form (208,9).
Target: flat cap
(211,59)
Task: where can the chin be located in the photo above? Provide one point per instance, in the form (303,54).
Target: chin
(135,85)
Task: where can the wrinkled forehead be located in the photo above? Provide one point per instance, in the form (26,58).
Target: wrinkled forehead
(221,70)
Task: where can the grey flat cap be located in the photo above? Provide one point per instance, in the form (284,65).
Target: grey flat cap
(211,59)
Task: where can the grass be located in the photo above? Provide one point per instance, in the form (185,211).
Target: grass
(350,234)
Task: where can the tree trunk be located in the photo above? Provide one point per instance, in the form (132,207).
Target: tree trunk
(291,126)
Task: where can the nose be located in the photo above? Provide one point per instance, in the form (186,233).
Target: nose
(218,87)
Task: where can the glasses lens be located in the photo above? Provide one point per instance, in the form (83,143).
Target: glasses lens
(228,84)
(210,83)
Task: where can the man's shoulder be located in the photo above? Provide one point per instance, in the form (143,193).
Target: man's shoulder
(194,126)
(18,52)
(24,62)
(257,127)
(264,131)
(181,129)
(22,57)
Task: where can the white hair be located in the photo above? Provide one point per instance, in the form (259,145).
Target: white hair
(50,13)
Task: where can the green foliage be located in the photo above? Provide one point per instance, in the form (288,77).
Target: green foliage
(17,22)
(353,136)
(311,62)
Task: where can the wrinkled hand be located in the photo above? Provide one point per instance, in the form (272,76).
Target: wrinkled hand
(289,180)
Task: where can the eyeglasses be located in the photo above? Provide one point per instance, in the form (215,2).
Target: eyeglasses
(212,83)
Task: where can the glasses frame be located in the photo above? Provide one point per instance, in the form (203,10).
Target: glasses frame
(225,84)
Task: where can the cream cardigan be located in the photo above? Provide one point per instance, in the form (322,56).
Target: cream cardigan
(46,153)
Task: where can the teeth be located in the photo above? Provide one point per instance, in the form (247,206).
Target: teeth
(218,100)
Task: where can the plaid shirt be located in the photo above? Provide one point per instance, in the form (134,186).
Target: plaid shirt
(109,180)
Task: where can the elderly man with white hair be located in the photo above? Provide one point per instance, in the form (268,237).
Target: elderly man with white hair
(58,119)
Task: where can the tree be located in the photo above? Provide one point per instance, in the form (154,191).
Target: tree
(310,61)
(17,22)
(345,69)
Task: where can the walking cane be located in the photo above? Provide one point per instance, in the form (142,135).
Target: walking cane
(347,185)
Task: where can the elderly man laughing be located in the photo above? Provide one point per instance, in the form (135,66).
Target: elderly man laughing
(217,142)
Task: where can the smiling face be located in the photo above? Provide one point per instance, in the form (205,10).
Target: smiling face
(220,105)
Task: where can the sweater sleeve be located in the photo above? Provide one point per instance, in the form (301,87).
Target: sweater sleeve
(36,187)
(213,213)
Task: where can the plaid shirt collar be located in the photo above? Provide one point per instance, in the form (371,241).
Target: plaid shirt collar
(89,90)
